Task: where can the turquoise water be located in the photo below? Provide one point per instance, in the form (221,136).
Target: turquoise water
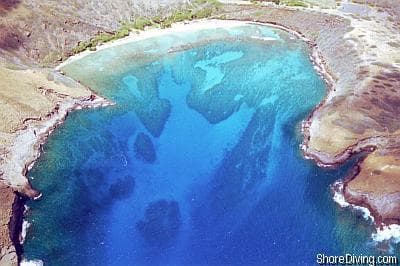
(198,163)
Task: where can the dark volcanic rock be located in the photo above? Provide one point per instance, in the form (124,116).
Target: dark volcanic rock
(161,222)
(8,5)
(144,148)
(10,39)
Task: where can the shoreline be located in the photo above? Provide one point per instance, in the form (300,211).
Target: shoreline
(138,36)
(314,55)
(27,191)
(32,137)
(26,149)
(322,160)
(389,232)
(386,229)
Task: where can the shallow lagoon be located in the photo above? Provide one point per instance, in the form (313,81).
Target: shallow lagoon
(198,163)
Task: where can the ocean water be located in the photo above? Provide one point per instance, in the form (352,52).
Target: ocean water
(198,163)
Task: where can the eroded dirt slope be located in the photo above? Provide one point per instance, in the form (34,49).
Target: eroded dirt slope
(45,31)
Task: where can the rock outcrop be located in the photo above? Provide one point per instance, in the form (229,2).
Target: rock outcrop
(8,254)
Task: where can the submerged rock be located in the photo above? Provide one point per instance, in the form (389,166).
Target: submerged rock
(154,113)
(144,148)
(161,222)
(122,187)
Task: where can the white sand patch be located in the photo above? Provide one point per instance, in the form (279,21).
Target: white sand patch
(31,263)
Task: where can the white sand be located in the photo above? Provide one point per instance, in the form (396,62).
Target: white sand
(180,27)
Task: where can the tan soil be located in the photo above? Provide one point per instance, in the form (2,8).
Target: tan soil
(377,187)
(362,109)
(29,94)
(45,31)
(32,100)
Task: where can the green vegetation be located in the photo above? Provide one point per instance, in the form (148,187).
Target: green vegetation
(283,2)
(259,1)
(182,15)
(258,13)
(294,3)
(223,16)
(102,37)
(199,9)
(199,2)
(189,13)
(140,23)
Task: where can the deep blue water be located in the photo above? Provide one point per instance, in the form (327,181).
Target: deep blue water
(198,163)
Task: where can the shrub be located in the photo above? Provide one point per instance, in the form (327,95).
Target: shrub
(166,24)
(141,22)
(258,14)
(182,15)
(200,2)
(121,33)
(295,3)
(157,19)
(203,13)
(205,10)
(215,3)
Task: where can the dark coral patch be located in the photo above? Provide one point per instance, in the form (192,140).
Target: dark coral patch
(122,187)
(161,222)
(144,148)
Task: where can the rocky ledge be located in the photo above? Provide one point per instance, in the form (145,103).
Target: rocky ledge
(360,60)
(362,112)
(8,254)
(20,147)
(377,187)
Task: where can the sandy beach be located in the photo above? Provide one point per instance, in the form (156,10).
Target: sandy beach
(176,28)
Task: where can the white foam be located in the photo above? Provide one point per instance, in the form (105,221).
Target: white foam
(338,197)
(38,196)
(387,232)
(365,211)
(31,263)
(25,227)
(263,38)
